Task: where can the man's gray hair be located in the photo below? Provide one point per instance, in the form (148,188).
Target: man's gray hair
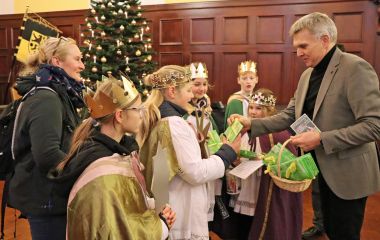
(318,24)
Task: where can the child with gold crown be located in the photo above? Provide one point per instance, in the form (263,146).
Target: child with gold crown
(247,79)
(200,112)
(100,178)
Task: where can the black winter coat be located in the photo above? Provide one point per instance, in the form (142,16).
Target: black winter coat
(42,138)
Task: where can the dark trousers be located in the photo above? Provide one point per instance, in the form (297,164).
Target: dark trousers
(342,219)
(48,227)
(316,203)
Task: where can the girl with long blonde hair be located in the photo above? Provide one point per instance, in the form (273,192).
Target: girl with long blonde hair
(175,169)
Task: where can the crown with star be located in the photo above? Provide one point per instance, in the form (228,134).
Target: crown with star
(198,70)
(247,66)
(259,99)
(111,94)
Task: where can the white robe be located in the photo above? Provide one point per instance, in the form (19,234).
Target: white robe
(245,202)
(213,187)
(188,190)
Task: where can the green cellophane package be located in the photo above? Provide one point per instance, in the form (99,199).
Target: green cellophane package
(302,168)
(291,167)
(272,155)
(233,130)
(247,154)
(214,143)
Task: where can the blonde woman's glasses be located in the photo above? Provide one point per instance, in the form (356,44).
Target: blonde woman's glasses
(59,42)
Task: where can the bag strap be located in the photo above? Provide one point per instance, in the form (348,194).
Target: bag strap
(18,114)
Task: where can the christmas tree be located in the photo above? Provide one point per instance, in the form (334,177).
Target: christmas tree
(117,40)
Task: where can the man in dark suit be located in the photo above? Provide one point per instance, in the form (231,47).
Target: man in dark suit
(340,93)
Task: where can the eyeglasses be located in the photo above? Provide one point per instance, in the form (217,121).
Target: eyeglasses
(56,46)
(140,109)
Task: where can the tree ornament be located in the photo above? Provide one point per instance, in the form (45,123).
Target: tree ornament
(145,92)
(129,40)
(144,23)
(89,25)
(138,53)
(99,48)
(147,28)
(148,39)
(128,6)
(93,11)
(103,59)
(109,73)
(118,52)
(139,7)
(102,6)
(102,34)
(139,14)
(114,13)
(82,35)
(87,55)
(102,18)
(109,4)
(133,22)
(127,69)
(121,28)
(94,69)
(136,36)
(120,12)
(149,57)
(145,60)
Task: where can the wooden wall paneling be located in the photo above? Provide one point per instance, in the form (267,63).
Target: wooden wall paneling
(171,58)
(235,30)
(271,72)
(202,31)
(270,29)
(232,31)
(349,26)
(171,32)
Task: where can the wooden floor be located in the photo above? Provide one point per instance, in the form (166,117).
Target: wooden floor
(370,230)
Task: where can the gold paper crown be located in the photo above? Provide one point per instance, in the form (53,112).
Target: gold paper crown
(110,95)
(198,70)
(171,77)
(260,99)
(247,66)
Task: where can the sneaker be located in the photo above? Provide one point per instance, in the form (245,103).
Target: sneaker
(311,233)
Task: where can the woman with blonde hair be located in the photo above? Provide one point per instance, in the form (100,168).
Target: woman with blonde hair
(103,162)
(43,129)
(175,170)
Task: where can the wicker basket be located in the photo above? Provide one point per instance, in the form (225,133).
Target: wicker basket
(286,184)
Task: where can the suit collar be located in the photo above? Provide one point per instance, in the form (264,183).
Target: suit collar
(327,79)
(301,95)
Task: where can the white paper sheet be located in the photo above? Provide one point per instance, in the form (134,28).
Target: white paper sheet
(246,168)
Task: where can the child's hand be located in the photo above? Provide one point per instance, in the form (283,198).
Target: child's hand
(235,144)
(169,215)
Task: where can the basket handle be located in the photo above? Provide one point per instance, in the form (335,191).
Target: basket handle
(280,154)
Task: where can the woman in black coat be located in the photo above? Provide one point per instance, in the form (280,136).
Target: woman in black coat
(43,129)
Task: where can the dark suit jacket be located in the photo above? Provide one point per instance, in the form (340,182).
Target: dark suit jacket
(347,111)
